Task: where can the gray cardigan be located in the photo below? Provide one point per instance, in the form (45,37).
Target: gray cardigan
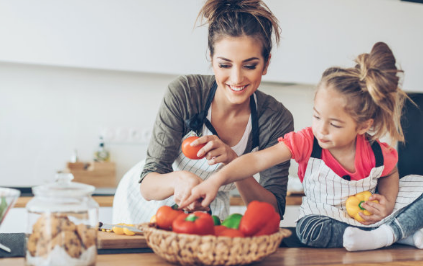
(187,96)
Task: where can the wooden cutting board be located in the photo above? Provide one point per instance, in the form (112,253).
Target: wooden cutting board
(107,240)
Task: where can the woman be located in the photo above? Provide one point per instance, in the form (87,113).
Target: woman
(226,109)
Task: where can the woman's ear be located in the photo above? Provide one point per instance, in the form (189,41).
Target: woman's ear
(365,126)
(267,65)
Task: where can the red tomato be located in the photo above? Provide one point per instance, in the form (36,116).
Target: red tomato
(191,151)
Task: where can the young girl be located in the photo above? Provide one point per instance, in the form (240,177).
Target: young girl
(338,158)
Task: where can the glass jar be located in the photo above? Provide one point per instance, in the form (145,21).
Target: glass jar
(62,224)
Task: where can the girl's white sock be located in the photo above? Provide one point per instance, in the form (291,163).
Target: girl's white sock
(415,239)
(418,239)
(356,239)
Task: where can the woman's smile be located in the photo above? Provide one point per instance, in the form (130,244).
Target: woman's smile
(237,88)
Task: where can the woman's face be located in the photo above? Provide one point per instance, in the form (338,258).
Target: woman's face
(238,67)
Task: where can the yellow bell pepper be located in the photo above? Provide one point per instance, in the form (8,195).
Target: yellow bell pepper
(153,219)
(118,230)
(354,207)
(123,231)
(128,232)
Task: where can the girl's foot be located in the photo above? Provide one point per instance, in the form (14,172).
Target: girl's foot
(415,240)
(356,239)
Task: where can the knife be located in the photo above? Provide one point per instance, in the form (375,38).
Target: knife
(110,226)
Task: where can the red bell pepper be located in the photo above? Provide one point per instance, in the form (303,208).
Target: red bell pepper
(221,230)
(165,216)
(197,223)
(260,218)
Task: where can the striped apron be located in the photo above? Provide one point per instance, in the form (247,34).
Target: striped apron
(130,207)
(326,193)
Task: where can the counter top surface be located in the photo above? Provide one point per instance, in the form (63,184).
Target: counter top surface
(397,255)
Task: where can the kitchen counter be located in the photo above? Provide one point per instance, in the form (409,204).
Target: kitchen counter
(103,201)
(398,255)
(107,200)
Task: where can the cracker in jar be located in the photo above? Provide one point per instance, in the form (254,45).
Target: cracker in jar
(36,245)
(87,235)
(49,225)
(69,241)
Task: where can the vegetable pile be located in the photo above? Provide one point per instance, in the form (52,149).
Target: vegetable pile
(260,218)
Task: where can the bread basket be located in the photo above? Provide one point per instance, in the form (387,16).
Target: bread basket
(187,249)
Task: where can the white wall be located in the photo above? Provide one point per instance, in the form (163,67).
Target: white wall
(158,36)
(69,70)
(47,112)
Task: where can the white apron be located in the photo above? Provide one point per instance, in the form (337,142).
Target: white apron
(130,207)
(326,193)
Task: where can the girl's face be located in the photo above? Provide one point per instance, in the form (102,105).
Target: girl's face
(238,67)
(334,129)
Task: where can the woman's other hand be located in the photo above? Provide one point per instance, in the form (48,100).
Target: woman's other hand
(379,210)
(215,150)
(204,193)
(185,182)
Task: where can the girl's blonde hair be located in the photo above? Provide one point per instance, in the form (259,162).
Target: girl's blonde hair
(237,18)
(372,91)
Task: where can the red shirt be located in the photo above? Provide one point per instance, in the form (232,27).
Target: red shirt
(301,145)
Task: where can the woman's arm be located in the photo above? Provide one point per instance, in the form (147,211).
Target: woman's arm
(158,180)
(157,186)
(249,190)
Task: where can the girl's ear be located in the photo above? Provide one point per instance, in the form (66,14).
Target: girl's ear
(267,65)
(365,126)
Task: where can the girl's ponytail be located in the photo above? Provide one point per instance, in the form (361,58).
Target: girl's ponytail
(379,77)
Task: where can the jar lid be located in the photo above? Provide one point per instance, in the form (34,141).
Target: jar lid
(63,188)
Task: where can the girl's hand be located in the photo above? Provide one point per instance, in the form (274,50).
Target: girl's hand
(205,193)
(216,150)
(379,210)
(184,183)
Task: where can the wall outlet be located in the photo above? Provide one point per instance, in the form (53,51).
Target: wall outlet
(125,135)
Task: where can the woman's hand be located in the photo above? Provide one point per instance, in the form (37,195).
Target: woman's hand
(202,194)
(184,183)
(379,210)
(215,150)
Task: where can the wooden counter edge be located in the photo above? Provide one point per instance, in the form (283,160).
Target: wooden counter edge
(107,201)
(293,199)
(103,201)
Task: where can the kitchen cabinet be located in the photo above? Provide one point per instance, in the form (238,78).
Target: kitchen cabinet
(159,36)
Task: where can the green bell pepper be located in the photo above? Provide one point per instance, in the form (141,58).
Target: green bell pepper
(216,220)
(232,221)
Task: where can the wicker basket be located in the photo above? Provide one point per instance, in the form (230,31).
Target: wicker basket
(187,249)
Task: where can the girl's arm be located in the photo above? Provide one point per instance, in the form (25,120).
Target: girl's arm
(239,169)
(388,187)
